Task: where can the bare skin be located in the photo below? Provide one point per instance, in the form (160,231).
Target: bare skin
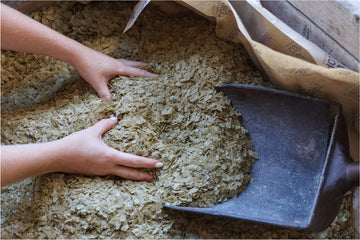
(22,33)
(82,152)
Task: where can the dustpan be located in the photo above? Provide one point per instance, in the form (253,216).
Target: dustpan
(304,167)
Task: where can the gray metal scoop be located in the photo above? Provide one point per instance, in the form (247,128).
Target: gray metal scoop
(304,167)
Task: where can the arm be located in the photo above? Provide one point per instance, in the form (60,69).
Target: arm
(21,33)
(82,152)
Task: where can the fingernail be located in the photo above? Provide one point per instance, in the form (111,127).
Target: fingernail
(114,118)
(108,99)
(159,165)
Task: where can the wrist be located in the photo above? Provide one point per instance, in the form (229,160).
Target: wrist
(74,53)
(27,160)
(55,154)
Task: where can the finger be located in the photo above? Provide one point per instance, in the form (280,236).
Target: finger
(104,93)
(100,86)
(132,63)
(132,71)
(131,173)
(104,125)
(134,161)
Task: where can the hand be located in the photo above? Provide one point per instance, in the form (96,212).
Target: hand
(97,69)
(86,153)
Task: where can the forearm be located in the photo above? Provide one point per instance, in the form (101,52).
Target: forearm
(21,33)
(82,152)
(22,161)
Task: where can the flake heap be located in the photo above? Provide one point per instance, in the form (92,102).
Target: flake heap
(177,118)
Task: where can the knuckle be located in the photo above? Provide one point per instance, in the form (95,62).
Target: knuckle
(136,162)
(127,175)
(121,68)
(108,157)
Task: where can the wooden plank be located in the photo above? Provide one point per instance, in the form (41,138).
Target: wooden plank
(303,25)
(339,19)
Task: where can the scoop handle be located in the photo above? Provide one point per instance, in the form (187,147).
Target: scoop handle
(340,175)
(352,173)
(343,172)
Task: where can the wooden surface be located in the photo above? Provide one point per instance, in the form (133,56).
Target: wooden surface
(331,25)
(339,19)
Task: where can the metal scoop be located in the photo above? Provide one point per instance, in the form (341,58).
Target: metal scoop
(304,167)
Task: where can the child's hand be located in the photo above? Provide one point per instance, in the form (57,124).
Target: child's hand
(83,152)
(97,69)
(86,153)
(33,37)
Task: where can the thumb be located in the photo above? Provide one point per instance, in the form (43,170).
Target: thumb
(104,125)
(104,93)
